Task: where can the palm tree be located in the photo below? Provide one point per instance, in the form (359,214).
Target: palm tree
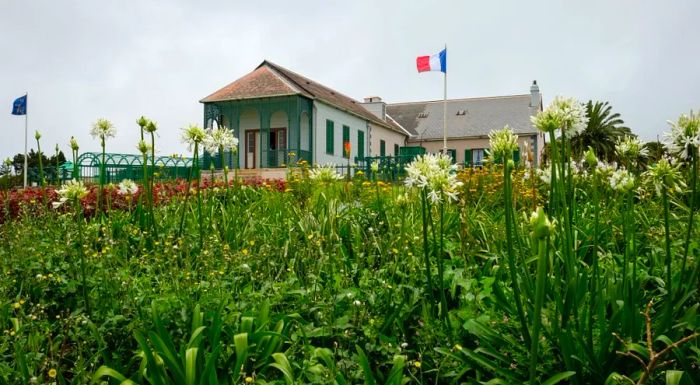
(604,129)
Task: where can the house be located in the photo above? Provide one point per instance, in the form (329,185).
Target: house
(280,117)
(469,122)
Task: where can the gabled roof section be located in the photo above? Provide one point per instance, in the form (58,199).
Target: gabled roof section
(270,79)
(262,82)
(474,117)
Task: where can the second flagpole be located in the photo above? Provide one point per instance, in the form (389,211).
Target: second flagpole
(444,107)
(26,118)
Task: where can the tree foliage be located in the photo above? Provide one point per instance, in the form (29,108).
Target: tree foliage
(603,130)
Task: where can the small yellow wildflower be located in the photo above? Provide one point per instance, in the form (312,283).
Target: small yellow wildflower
(244,251)
(417,364)
(252,243)
(16,305)
(249,380)
(52,373)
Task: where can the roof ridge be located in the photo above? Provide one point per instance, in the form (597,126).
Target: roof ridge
(460,99)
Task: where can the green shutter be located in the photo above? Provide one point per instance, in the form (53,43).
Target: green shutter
(361,144)
(453,154)
(396,150)
(516,156)
(468,157)
(382,148)
(346,139)
(329,137)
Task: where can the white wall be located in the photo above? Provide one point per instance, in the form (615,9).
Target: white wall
(323,112)
(390,137)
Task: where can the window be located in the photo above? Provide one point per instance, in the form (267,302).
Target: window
(453,154)
(329,137)
(468,157)
(382,148)
(478,155)
(346,139)
(361,144)
(396,150)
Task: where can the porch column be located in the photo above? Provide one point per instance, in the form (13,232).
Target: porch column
(264,133)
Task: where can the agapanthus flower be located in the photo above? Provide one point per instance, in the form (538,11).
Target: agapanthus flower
(143,147)
(151,127)
(503,142)
(436,173)
(71,191)
(142,122)
(684,137)
(37,135)
(622,180)
(325,173)
(545,175)
(541,226)
(219,137)
(374,166)
(74,144)
(630,148)
(103,129)
(192,135)
(566,114)
(664,175)
(128,187)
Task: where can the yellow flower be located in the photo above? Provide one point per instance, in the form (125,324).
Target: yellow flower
(252,243)
(417,364)
(52,373)
(248,380)
(244,251)
(16,305)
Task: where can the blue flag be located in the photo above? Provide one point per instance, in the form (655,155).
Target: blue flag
(19,107)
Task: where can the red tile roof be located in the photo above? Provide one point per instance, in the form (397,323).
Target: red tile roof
(270,79)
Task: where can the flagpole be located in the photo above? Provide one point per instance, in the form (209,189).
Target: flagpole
(444,108)
(26,117)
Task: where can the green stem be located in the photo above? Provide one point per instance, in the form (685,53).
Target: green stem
(187,192)
(693,195)
(151,181)
(669,281)
(539,301)
(508,203)
(41,166)
(441,271)
(426,249)
(79,245)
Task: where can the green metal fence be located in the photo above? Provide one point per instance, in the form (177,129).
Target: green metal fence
(129,166)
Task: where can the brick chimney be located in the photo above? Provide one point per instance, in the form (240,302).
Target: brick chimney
(535,98)
(375,105)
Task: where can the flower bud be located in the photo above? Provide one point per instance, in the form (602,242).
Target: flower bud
(37,135)
(142,122)
(73,144)
(591,157)
(541,226)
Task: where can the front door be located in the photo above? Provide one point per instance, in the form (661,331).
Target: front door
(250,146)
(278,147)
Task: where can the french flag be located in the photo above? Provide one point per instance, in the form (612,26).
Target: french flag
(437,62)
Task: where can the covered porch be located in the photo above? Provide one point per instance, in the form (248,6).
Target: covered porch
(272,132)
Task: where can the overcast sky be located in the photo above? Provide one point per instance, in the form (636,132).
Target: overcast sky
(82,60)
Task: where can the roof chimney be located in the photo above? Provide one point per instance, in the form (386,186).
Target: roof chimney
(375,105)
(535,97)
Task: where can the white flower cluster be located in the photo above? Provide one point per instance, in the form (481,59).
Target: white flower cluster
(436,173)
(103,129)
(685,135)
(665,175)
(630,148)
(128,187)
(325,173)
(566,114)
(503,142)
(192,134)
(622,180)
(71,191)
(220,137)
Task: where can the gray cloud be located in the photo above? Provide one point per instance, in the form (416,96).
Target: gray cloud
(81,60)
